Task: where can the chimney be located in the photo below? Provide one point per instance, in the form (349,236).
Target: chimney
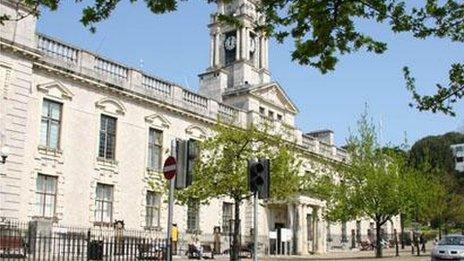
(325,136)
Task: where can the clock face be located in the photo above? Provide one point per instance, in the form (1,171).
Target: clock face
(252,44)
(229,43)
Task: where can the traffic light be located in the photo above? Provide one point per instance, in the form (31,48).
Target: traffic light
(186,152)
(259,178)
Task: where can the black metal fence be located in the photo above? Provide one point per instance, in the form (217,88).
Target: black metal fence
(27,241)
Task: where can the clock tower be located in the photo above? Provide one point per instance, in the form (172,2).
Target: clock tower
(238,55)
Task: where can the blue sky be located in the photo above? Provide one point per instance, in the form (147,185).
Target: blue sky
(175,47)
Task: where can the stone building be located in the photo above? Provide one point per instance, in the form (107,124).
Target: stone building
(458,154)
(87,133)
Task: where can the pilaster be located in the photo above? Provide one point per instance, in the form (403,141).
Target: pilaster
(216,53)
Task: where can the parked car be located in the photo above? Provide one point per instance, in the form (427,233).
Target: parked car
(451,247)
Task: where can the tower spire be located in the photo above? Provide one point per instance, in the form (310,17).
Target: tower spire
(238,55)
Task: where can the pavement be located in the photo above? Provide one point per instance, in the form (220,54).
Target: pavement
(389,254)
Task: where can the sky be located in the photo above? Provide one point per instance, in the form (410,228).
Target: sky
(175,47)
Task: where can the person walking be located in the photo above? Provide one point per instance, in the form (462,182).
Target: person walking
(422,242)
(175,237)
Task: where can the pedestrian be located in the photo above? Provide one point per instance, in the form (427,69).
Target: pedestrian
(174,238)
(199,248)
(422,242)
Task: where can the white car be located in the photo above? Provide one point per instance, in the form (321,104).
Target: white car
(451,247)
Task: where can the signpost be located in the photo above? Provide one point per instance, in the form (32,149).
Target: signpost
(169,171)
(170,168)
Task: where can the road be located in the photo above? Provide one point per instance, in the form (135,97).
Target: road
(389,255)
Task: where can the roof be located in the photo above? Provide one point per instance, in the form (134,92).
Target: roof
(257,88)
(319,131)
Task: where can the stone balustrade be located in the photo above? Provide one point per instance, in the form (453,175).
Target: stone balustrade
(325,149)
(73,59)
(227,113)
(310,143)
(56,49)
(342,154)
(110,68)
(158,86)
(195,100)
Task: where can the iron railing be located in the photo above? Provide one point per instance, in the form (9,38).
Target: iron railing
(35,243)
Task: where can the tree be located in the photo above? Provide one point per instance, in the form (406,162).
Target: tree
(376,183)
(435,152)
(324,30)
(445,194)
(222,169)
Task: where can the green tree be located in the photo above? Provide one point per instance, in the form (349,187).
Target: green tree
(324,30)
(435,152)
(222,169)
(445,193)
(376,183)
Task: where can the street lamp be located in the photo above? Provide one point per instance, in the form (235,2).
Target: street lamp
(4,152)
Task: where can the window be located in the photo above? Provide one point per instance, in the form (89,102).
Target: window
(271,114)
(262,111)
(50,124)
(459,159)
(104,204)
(279,117)
(227,217)
(45,196)
(107,137)
(152,218)
(193,216)
(155,144)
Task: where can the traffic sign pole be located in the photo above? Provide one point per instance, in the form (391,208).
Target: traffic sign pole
(167,174)
(170,212)
(255,225)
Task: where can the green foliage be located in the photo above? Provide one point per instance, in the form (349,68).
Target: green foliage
(445,202)
(436,151)
(222,170)
(324,30)
(445,97)
(378,183)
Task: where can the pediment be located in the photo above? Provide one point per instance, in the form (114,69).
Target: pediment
(158,121)
(196,132)
(112,106)
(55,89)
(275,95)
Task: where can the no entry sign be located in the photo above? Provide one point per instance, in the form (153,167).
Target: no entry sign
(170,168)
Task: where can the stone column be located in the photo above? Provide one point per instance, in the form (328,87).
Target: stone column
(244,41)
(212,50)
(238,44)
(261,51)
(302,233)
(216,50)
(265,54)
(291,215)
(319,231)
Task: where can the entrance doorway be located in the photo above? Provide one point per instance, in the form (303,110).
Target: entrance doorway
(279,244)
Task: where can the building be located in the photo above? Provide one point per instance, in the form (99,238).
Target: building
(458,153)
(87,134)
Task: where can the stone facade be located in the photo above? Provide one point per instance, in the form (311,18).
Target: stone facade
(35,68)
